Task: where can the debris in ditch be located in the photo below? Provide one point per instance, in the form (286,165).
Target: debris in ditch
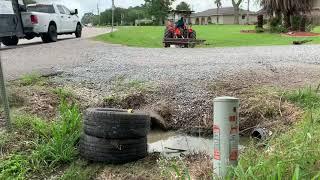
(175,149)
(261,134)
(129,101)
(43,104)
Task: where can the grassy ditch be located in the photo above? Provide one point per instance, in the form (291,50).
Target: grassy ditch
(42,148)
(294,154)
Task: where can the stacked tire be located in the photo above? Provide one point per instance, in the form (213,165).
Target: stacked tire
(114,136)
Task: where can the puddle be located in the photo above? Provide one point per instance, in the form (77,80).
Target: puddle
(173,144)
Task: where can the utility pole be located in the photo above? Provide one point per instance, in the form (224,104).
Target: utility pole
(112,21)
(99,13)
(4,97)
(248,14)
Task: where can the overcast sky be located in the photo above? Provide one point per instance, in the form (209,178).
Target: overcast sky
(91,5)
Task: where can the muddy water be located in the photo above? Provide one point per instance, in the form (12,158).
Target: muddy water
(173,144)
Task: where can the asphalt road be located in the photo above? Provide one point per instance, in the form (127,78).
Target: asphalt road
(34,56)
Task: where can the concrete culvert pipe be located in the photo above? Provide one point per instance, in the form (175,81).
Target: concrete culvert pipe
(260,134)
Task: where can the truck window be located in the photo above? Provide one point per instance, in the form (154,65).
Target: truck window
(67,10)
(20,2)
(41,8)
(61,10)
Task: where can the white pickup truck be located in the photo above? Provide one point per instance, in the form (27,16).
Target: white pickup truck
(48,21)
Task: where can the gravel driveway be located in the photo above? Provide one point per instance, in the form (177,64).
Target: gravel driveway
(183,77)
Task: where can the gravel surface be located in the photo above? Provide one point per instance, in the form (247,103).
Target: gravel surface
(183,77)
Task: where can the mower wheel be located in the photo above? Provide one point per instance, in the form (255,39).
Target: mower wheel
(167,34)
(193,35)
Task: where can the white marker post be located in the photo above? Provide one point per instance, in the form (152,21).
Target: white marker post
(225,134)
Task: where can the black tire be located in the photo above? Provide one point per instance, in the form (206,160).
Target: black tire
(116,123)
(10,41)
(52,34)
(45,38)
(29,36)
(78,32)
(167,34)
(113,151)
(193,35)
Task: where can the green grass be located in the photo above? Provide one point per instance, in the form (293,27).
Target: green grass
(52,144)
(81,170)
(216,36)
(293,155)
(64,92)
(32,79)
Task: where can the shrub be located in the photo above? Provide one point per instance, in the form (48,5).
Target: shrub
(275,21)
(276,26)
(259,29)
(295,23)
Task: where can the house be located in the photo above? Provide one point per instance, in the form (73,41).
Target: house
(316,12)
(226,16)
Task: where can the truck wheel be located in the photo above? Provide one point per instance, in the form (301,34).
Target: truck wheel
(29,36)
(78,32)
(52,33)
(10,41)
(45,38)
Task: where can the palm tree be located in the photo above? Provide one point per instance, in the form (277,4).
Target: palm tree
(287,8)
(219,5)
(236,7)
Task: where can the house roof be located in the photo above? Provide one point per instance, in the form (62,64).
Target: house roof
(222,11)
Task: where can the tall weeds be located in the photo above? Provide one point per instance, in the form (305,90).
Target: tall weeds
(54,144)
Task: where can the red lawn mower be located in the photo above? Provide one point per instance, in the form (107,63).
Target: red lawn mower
(180,33)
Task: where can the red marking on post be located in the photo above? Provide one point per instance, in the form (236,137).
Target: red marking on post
(234,155)
(216,154)
(232,118)
(216,129)
(234,130)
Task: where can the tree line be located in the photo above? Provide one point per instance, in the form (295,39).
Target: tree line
(285,11)
(155,10)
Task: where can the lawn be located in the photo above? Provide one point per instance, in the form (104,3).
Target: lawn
(216,36)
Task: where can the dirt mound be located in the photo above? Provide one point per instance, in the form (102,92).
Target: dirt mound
(42,103)
(248,31)
(262,107)
(262,103)
(127,101)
